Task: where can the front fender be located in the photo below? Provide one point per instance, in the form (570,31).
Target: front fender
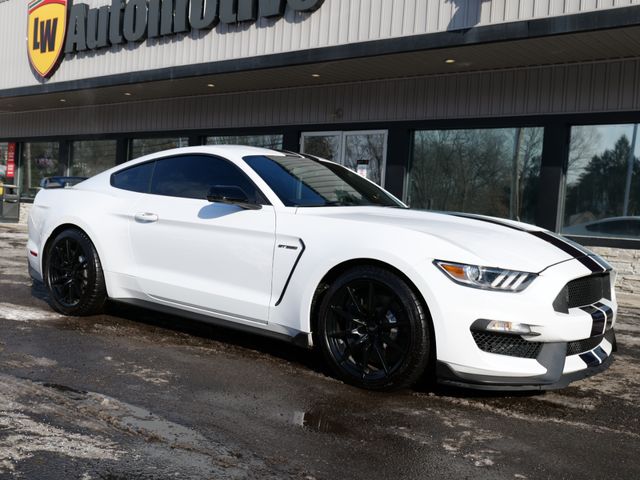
(295,309)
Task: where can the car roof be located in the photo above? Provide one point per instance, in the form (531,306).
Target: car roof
(222,150)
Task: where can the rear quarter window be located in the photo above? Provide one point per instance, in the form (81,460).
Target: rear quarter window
(134,179)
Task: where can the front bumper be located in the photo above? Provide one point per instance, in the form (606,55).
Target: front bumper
(562,346)
(562,369)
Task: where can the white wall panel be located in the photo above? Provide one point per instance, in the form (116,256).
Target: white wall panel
(337,22)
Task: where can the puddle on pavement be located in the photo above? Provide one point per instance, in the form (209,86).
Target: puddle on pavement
(318,422)
(65,389)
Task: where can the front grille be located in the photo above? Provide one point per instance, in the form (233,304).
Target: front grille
(581,346)
(583,291)
(504,344)
(586,344)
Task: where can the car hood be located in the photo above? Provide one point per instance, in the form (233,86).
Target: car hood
(494,242)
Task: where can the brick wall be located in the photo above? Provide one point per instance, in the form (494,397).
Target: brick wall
(24,212)
(627,263)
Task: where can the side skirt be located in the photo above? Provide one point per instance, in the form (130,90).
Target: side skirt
(301,339)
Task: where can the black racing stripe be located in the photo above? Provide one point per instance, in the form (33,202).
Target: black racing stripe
(608,311)
(576,253)
(600,353)
(591,359)
(598,319)
(596,258)
(602,262)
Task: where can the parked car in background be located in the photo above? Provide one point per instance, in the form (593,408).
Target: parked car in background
(619,227)
(305,250)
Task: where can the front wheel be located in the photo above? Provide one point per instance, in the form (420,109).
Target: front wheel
(374,329)
(73,275)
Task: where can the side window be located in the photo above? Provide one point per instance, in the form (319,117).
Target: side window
(135,179)
(191,176)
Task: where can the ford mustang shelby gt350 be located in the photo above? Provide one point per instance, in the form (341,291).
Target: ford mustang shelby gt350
(304,249)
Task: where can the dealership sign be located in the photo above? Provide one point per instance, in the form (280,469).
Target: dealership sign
(56,28)
(46,27)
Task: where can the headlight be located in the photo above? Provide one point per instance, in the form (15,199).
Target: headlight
(486,278)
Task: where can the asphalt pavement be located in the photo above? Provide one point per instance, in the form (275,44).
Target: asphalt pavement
(137,395)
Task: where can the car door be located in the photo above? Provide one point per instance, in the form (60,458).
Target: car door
(209,257)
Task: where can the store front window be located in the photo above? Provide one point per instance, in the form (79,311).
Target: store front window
(88,158)
(602,194)
(486,171)
(266,141)
(364,152)
(146,146)
(38,160)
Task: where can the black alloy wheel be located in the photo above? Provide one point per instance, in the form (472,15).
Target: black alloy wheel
(73,274)
(374,329)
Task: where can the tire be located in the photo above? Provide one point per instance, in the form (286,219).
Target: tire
(74,276)
(374,330)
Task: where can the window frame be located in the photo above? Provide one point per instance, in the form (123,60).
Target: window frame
(262,199)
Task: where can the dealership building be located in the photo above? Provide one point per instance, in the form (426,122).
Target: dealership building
(523,109)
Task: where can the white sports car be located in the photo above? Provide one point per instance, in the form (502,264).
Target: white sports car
(303,249)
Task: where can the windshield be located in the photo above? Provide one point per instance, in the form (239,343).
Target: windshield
(305,182)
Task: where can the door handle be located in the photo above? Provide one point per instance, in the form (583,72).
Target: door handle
(146,217)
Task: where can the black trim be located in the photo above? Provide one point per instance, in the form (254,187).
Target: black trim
(303,247)
(300,338)
(502,32)
(553,171)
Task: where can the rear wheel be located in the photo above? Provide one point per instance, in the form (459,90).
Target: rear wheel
(374,329)
(73,275)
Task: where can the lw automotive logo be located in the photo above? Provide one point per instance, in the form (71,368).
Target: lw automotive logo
(47,24)
(55,28)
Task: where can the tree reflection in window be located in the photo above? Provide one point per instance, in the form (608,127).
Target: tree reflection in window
(487,171)
(603,180)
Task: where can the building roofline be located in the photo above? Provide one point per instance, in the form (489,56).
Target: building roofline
(509,31)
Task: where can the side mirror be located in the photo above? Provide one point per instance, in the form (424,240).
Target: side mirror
(231,195)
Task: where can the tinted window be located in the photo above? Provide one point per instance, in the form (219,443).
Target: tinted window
(191,176)
(136,178)
(304,182)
